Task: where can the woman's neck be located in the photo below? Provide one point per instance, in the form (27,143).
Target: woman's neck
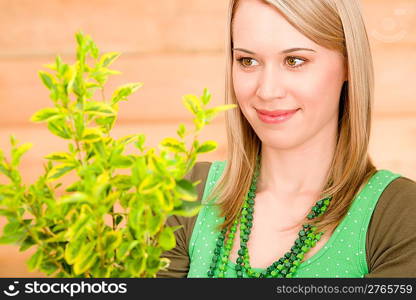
(296,171)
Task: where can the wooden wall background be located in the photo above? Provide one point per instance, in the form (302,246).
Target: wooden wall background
(176,47)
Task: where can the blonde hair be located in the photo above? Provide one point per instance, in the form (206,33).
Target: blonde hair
(337,25)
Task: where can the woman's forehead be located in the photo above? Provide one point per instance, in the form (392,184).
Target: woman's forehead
(260,25)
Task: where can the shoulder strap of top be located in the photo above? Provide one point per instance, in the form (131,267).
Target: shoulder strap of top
(363,207)
(215,172)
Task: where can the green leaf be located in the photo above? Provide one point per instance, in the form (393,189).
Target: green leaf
(81,225)
(167,239)
(120,161)
(76,197)
(187,209)
(206,97)
(35,260)
(108,58)
(87,258)
(207,147)
(27,243)
(60,170)
(72,250)
(18,153)
(46,115)
(192,103)
(99,109)
(112,240)
(181,131)
(125,248)
(173,145)
(59,156)
(154,223)
(122,182)
(140,142)
(124,91)
(58,128)
(48,267)
(164,199)
(186,190)
(149,185)
(47,79)
(91,135)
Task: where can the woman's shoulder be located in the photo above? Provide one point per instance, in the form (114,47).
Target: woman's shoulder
(391,236)
(400,189)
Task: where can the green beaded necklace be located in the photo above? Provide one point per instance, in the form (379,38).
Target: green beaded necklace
(287,265)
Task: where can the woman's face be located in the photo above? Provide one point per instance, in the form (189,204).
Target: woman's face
(271,73)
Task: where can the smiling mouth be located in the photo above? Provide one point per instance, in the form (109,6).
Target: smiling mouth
(274,117)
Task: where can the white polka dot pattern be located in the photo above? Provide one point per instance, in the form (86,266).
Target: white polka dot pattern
(343,255)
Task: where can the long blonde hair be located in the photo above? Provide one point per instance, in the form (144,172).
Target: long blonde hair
(337,25)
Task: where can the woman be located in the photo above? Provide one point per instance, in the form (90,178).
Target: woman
(298,195)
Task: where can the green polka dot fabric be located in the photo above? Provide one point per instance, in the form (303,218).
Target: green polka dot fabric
(342,256)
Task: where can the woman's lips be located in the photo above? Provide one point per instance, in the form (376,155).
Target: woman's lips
(275,116)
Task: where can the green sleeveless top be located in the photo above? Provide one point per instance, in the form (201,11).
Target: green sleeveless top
(343,255)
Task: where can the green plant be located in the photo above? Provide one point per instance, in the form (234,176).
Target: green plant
(105,224)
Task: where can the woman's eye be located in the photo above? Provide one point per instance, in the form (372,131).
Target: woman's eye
(294,62)
(246,61)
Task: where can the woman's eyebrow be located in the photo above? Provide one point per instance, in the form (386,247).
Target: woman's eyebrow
(282,52)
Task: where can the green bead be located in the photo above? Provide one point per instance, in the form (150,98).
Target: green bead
(244,212)
(280,267)
(231,235)
(305,248)
(292,269)
(238,268)
(273,273)
(301,233)
(296,262)
(243,220)
(242,227)
(290,275)
(233,229)
(300,256)
(326,202)
(221,268)
(310,216)
(239,274)
(250,202)
(323,208)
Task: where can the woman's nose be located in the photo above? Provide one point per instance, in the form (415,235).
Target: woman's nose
(271,84)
